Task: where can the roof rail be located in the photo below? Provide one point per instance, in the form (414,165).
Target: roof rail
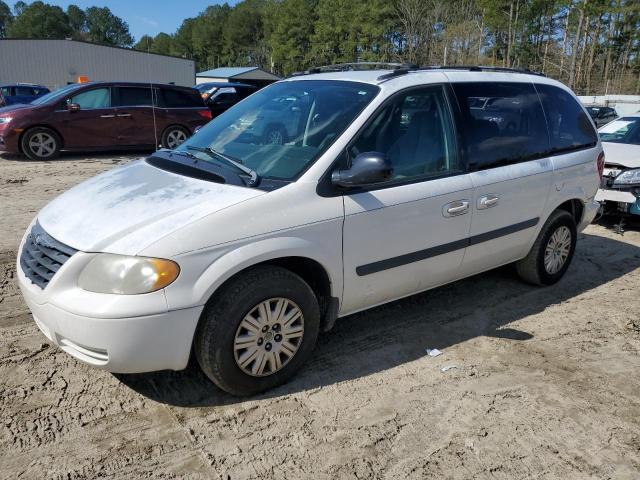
(481,68)
(358,66)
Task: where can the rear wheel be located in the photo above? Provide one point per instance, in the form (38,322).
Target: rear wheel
(552,252)
(174,136)
(258,331)
(41,143)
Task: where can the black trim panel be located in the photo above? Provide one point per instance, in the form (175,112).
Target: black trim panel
(407,258)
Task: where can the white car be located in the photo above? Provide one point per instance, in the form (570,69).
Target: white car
(243,252)
(620,189)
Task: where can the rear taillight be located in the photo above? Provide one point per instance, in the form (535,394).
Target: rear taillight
(205,114)
(600,163)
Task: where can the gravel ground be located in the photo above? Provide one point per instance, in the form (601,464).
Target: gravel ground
(545,382)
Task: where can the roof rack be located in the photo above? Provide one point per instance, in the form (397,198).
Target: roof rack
(358,66)
(481,68)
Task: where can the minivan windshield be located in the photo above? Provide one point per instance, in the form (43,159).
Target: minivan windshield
(55,95)
(282,129)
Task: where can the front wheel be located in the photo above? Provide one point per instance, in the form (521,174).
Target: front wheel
(551,254)
(258,331)
(41,143)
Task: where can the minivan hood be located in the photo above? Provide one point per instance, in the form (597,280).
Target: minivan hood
(623,154)
(128,208)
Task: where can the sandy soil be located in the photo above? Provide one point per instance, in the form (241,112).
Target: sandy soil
(545,383)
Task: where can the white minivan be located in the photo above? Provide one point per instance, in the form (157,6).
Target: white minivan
(242,250)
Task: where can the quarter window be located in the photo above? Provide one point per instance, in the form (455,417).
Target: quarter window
(96,98)
(569,126)
(415,132)
(135,97)
(502,123)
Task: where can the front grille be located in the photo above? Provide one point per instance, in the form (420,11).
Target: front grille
(42,256)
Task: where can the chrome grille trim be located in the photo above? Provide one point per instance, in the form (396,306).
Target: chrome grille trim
(42,256)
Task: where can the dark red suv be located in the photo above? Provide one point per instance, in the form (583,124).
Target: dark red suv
(102,116)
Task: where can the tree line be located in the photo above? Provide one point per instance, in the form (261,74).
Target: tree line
(591,45)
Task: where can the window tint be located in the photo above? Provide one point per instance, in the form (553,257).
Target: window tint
(502,123)
(24,91)
(181,99)
(569,126)
(135,96)
(96,98)
(415,132)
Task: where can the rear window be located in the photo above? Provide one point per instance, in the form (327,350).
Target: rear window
(569,126)
(502,123)
(180,98)
(135,96)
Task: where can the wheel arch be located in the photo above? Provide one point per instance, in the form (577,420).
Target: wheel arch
(293,255)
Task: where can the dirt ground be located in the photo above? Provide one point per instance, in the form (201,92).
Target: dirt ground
(545,382)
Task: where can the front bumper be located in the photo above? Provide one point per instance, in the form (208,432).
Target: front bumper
(619,201)
(117,333)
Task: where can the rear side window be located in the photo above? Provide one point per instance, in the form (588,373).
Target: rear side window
(135,97)
(24,91)
(181,99)
(501,124)
(569,126)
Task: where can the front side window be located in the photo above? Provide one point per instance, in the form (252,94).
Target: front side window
(96,98)
(622,130)
(569,126)
(284,127)
(135,97)
(415,132)
(502,123)
(6,91)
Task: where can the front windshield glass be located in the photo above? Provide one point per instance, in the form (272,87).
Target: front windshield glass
(55,95)
(283,128)
(622,130)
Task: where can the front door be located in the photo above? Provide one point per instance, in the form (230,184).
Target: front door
(507,145)
(410,234)
(93,125)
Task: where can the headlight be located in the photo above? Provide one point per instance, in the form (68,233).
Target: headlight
(5,120)
(108,273)
(628,177)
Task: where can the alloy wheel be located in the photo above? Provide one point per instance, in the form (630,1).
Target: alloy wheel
(42,144)
(268,337)
(175,138)
(275,138)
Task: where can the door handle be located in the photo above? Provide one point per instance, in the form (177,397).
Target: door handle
(124,115)
(453,209)
(107,116)
(488,201)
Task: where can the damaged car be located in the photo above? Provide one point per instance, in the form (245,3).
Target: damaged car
(619,191)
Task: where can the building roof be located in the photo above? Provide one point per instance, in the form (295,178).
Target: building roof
(237,72)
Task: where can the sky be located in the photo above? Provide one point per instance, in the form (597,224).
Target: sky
(145,17)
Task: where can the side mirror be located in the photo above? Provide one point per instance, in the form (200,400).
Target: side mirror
(368,168)
(73,107)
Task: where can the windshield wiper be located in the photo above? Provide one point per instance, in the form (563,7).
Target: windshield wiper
(254,177)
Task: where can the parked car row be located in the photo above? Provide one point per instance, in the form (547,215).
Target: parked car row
(102,116)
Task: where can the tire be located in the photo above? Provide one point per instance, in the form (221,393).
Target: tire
(533,268)
(275,135)
(222,332)
(173,136)
(40,143)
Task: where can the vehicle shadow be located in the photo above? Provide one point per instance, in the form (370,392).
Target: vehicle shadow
(399,332)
